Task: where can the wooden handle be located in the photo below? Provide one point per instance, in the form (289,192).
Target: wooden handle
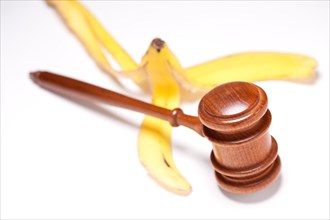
(78,89)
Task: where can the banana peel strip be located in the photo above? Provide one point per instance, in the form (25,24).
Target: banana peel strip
(253,66)
(96,40)
(167,80)
(154,144)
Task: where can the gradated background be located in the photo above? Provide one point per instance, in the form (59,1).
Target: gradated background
(66,161)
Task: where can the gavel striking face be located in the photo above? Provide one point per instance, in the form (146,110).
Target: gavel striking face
(233,116)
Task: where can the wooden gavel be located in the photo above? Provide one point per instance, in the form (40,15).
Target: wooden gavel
(233,116)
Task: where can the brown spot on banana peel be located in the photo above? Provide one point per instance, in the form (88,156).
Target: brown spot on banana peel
(158,44)
(167,164)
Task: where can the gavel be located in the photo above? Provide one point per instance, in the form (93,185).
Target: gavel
(233,116)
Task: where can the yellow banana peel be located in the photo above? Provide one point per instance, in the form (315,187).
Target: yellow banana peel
(253,66)
(166,80)
(154,144)
(77,22)
(96,39)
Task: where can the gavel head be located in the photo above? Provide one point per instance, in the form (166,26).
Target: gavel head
(236,120)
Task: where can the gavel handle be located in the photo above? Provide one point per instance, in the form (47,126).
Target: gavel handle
(78,89)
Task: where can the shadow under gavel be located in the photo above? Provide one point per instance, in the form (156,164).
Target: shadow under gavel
(233,116)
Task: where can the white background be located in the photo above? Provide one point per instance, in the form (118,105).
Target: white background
(63,160)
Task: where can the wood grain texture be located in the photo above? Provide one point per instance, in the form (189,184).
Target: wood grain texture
(77,89)
(233,116)
(236,120)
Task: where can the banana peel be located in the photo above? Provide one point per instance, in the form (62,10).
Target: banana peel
(154,142)
(96,40)
(160,73)
(253,66)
